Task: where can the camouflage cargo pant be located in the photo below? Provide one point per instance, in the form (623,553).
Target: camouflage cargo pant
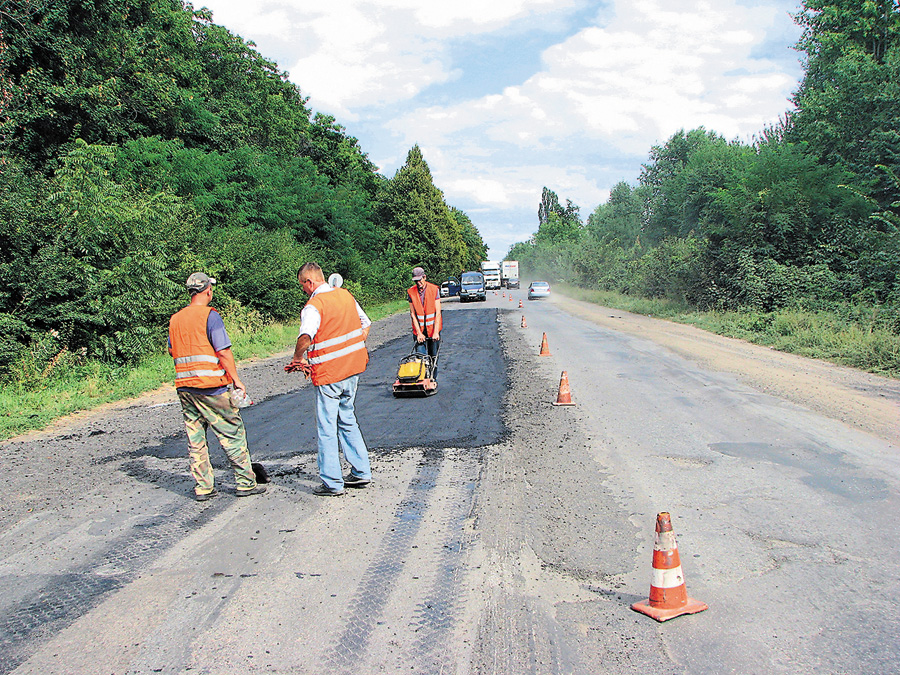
(202,412)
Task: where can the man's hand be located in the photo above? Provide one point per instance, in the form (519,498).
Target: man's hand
(301,365)
(298,361)
(420,337)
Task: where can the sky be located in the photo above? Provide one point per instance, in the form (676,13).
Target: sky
(506,97)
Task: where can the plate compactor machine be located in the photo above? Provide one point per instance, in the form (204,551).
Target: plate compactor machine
(415,377)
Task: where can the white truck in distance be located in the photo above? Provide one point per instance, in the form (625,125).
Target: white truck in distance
(509,274)
(491,271)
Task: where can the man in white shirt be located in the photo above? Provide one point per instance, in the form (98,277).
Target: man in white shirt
(331,350)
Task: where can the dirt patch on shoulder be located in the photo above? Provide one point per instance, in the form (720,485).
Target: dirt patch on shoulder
(863,400)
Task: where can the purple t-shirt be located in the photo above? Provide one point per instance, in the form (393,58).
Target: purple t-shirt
(218,338)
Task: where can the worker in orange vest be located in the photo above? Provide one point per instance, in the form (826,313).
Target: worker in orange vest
(204,366)
(331,350)
(425,312)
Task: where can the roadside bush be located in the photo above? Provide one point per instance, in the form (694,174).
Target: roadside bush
(44,361)
(256,268)
(14,336)
(672,270)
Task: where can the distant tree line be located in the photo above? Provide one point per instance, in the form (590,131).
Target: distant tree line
(140,141)
(806,216)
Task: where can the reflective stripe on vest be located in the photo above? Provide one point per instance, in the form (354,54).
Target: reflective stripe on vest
(330,356)
(429,322)
(192,352)
(339,350)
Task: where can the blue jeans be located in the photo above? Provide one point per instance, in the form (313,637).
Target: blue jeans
(429,348)
(336,421)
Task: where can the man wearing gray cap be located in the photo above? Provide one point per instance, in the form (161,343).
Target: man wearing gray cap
(204,366)
(425,311)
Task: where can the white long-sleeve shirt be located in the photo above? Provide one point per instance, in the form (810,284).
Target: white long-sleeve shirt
(310,319)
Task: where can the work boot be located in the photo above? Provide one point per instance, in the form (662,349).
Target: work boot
(325,491)
(355,481)
(202,497)
(258,490)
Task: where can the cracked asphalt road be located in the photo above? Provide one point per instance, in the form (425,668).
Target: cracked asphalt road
(501,535)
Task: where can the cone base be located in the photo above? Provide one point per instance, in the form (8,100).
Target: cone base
(558,403)
(662,614)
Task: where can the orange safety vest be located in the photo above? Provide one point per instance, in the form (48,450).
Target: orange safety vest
(339,350)
(429,321)
(196,363)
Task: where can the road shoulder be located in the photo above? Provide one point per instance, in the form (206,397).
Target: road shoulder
(868,402)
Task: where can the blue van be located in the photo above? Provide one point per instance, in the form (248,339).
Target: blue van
(450,288)
(471,287)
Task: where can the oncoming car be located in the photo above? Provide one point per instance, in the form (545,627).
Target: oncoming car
(538,289)
(472,287)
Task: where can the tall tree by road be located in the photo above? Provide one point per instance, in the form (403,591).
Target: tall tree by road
(423,230)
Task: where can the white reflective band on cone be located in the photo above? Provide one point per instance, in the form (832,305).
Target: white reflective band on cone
(667,578)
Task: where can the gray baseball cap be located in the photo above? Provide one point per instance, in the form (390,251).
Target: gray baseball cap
(199,282)
(418,273)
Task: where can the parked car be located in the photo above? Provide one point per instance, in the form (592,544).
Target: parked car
(450,288)
(471,287)
(538,289)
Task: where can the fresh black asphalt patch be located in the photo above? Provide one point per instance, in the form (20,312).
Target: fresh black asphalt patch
(464,413)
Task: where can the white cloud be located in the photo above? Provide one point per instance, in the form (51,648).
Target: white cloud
(631,88)
(627,80)
(627,85)
(353,53)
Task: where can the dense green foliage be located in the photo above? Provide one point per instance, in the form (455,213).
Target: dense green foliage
(805,218)
(139,142)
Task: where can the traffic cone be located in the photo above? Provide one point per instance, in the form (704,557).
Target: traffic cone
(503,295)
(511,297)
(564,397)
(524,325)
(668,594)
(545,348)
(520,304)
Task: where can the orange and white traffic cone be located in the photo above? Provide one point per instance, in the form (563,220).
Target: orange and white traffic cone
(524,325)
(564,397)
(520,304)
(668,593)
(545,348)
(511,297)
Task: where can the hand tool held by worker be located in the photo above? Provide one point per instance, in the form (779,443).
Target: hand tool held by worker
(302,366)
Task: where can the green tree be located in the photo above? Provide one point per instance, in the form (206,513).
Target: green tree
(556,224)
(550,205)
(848,104)
(104,260)
(676,180)
(620,217)
(421,224)
(107,71)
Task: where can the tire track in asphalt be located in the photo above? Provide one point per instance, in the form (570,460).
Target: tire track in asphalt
(65,598)
(435,612)
(464,414)
(380,579)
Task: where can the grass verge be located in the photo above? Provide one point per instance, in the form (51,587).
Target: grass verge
(845,338)
(25,406)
